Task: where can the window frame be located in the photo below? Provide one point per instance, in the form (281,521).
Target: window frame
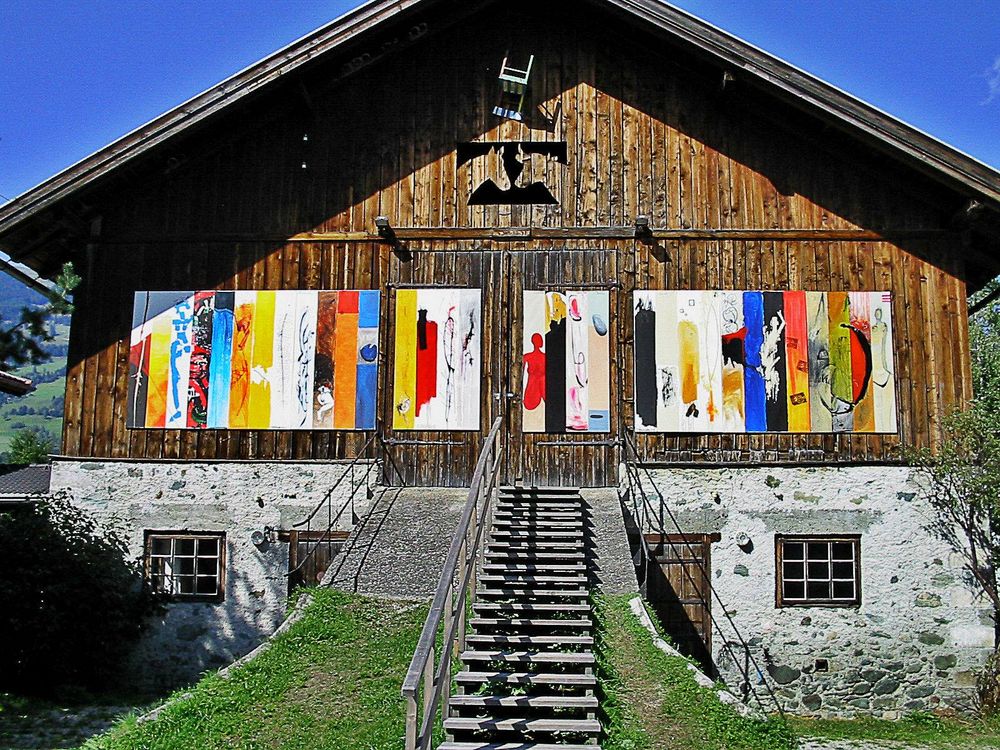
(181,534)
(779,571)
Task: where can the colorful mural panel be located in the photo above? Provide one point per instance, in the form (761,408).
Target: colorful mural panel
(792,361)
(437,359)
(279,360)
(566,362)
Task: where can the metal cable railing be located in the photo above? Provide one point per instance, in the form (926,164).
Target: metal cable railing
(648,517)
(332,519)
(428,680)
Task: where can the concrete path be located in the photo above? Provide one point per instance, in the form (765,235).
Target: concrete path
(399,547)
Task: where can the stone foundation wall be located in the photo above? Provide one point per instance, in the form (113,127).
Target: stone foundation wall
(235,497)
(920,633)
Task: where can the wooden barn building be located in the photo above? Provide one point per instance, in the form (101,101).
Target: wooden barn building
(714,289)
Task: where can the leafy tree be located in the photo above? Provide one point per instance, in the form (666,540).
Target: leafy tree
(73,600)
(30,446)
(984,341)
(22,342)
(962,484)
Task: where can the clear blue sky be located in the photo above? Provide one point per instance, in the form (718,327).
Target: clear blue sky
(76,74)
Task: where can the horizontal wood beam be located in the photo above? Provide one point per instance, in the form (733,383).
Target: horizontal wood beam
(523,234)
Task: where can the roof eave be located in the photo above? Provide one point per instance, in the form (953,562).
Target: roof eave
(200,107)
(921,150)
(904,142)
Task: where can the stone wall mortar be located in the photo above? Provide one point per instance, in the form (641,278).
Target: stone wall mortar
(921,631)
(235,497)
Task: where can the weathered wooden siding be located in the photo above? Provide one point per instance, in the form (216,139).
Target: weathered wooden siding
(269,198)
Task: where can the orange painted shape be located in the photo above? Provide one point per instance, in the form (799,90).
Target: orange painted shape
(239,389)
(797,361)
(687,334)
(345,366)
(159,367)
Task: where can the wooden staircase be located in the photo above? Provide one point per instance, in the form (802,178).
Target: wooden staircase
(528,679)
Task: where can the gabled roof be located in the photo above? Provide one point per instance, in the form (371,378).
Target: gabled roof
(968,177)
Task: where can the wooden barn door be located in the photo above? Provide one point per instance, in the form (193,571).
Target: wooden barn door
(447,458)
(679,590)
(584,459)
(503,271)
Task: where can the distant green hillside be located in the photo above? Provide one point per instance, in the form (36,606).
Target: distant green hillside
(43,408)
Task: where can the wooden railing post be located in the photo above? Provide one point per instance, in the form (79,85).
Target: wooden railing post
(411,724)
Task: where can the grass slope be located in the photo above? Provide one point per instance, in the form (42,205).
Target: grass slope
(652,701)
(331,681)
(923,729)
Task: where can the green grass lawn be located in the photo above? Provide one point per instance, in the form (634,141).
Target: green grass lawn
(653,703)
(924,729)
(331,681)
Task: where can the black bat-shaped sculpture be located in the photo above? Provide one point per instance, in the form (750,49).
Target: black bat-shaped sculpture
(513,155)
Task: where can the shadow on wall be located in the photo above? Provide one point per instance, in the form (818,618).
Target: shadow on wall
(668,605)
(347,567)
(191,638)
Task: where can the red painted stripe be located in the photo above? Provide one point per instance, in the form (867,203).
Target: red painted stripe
(426,363)
(347,302)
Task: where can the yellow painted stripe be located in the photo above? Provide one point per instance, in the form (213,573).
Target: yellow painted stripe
(405,360)
(261,362)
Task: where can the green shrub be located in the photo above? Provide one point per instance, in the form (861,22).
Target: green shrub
(72,601)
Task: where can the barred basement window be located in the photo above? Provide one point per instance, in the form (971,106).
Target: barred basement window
(190,566)
(818,571)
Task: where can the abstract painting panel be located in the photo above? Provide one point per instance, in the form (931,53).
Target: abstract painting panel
(566,362)
(764,361)
(279,360)
(437,359)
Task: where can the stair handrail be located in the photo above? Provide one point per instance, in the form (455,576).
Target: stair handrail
(648,509)
(454,589)
(334,519)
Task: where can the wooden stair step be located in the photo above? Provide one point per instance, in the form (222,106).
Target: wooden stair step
(520,488)
(532,578)
(524,701)
(521,542)
(559,679)
(538,523)
(521,555)
(529,657)
(495,607)
(537,531)
(539,503)
(543,497)
(535,567)
(531,622)
(517,593)
(529,640)
(451,745)
(523,724)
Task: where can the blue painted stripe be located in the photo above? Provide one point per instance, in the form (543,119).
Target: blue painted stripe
(368,306)
(599,421)
(753,373)
(364,400)
(219,372)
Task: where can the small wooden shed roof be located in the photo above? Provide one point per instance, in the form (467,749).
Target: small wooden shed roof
(38,227)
